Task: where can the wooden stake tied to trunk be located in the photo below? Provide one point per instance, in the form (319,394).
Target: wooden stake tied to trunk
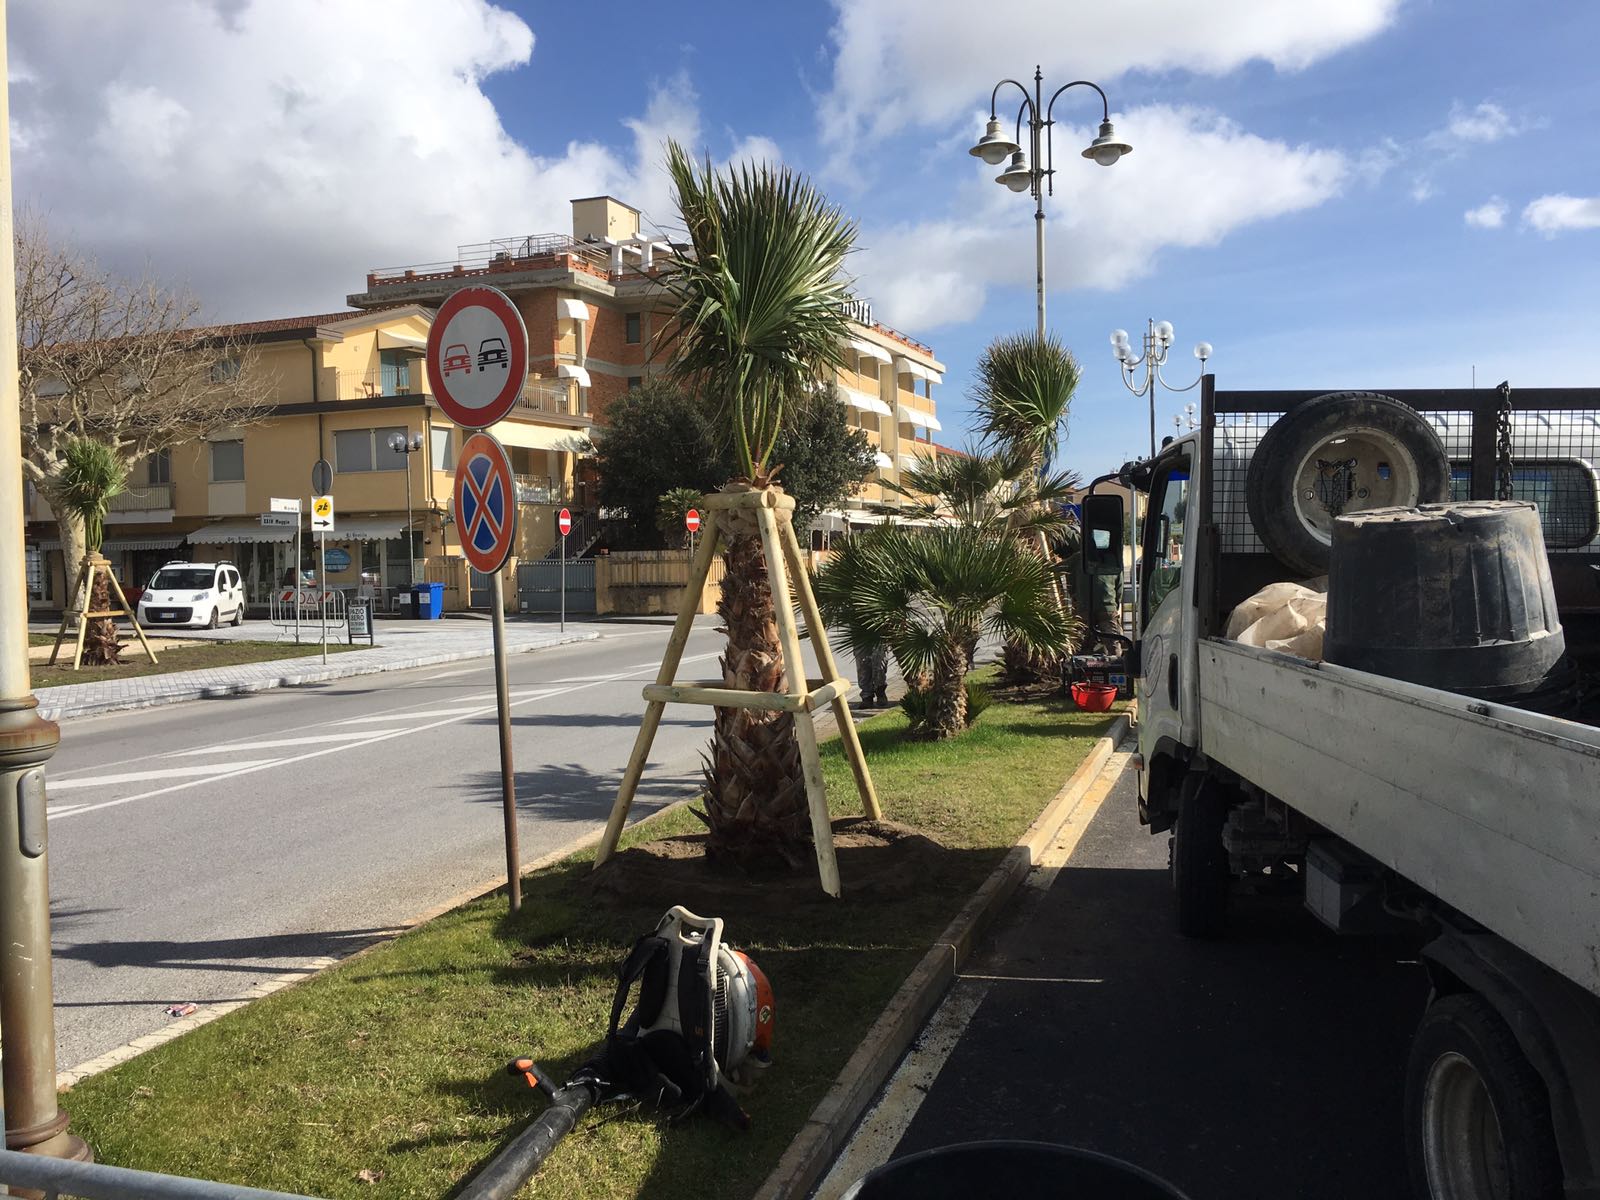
(94,566)
(771,513)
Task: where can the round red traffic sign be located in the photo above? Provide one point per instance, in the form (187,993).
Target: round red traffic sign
(477,356)
(691,520)
(485,503)
(564,522)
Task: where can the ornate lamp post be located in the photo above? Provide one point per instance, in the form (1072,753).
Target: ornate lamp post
(408,445)
(1157,342)
(1033,169)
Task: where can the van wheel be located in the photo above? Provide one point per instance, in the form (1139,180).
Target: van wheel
(1200,876)
(216,619)
(238,615)
(1477,1114)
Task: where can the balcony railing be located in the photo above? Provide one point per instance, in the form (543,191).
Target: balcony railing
(503,254)
(539,489)
(559,397)
(369,385)
(148,497)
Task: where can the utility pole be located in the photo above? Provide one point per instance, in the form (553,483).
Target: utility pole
(33,1122)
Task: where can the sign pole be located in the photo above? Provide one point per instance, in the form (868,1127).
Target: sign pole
(563,583)
(508,782)
(322,591)
(296,581)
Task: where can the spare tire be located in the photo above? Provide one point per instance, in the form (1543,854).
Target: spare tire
(1340,453)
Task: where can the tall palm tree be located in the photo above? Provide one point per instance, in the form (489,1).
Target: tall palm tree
(928,592)
(758,317)
(92,475)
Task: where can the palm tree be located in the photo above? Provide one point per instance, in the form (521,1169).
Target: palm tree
(1000,487)
(928,592)
(91,476)
(758,317)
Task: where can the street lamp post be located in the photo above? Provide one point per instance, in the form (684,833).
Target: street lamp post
(1157,342)
(1037,173)
(408,445)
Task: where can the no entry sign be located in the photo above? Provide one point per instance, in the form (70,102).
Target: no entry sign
(564,522)
(691,520)
(485,503)
(477,356)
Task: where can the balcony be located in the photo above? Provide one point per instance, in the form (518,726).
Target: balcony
(143,498)
(532,253)
(371,385)
(540,489)
(554,397)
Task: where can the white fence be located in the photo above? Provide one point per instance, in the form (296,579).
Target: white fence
(307,608)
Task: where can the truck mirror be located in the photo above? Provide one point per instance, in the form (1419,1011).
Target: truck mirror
(1102,535)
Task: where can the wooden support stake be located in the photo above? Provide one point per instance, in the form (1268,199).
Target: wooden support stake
(132,615)
(724,697)
(698,570)
(83,625)
(794,676)
(830,669)
(67,611)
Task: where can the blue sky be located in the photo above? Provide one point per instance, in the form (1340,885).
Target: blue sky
(1299,193)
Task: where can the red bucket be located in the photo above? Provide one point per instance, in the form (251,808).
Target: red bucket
(1094,697)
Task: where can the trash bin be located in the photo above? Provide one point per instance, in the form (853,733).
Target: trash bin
(1010,1169)
(406,599)
(430,600)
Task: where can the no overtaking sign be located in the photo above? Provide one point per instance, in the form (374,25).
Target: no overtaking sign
(477,356)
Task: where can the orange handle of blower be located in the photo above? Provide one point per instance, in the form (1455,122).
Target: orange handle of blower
(532,1072)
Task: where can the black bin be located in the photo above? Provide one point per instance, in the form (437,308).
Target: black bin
(1005,1168)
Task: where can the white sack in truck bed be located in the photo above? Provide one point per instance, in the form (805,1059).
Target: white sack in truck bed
(1290,617)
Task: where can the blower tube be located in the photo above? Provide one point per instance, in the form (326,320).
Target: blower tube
(515,1165)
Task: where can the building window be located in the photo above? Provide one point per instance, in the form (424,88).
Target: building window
(225,370)
(227,462)
(630,328)
(635,381)
(444,451)
(159,467)
(367,450)
(35,569)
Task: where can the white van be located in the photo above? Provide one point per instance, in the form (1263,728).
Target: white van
(193,595)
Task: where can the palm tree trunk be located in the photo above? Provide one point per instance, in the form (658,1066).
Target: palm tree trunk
(755,792)
(947,703)
(100,645)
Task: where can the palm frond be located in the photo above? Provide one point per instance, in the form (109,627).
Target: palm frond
(1023,392)
(91,476)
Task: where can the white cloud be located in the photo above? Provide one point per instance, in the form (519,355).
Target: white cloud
(1559,213)
(1487,122)
(1193,178)
(269,153)
(1422,189)
(900,63)
(1489,215)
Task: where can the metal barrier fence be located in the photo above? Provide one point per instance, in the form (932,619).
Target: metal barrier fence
(539,586)
(305,606)
(95,1181)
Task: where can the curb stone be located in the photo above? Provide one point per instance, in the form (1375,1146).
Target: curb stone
(829,1126)
(214,691)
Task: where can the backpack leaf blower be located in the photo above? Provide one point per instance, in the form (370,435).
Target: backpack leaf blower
(700,1028)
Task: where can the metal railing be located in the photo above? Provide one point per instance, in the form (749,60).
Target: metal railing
(57,1177)
(147,497)
(541,489)
(501,254)
(305,607)
(559,397)
(369,385)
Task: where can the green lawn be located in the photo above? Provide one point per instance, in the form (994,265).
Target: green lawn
(177,658)
(393,1062)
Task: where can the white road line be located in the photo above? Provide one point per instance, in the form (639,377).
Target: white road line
(453,674)
(372,739)
(93,781)
(283,743)
(390,717)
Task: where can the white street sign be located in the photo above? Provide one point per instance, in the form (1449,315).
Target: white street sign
(322,514)
(278,520)
(279,505)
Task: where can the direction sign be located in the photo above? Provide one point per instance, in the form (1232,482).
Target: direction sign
(564,522)
(278,520)
(278,504)
(477,356)
(321,478)
(485,503)
(322,514)
(691,520)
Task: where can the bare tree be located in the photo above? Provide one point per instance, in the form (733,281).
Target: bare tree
(119,361)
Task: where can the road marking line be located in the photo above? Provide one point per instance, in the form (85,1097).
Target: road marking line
(370,739)
(885,1123)
(282,743)
(67,785)
(400,715)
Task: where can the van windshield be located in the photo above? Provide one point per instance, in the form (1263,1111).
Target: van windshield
(181,579)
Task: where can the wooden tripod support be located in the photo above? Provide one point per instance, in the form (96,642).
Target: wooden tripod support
(83,593)
(801,696)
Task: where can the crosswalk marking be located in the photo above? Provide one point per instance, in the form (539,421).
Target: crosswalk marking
(94,781)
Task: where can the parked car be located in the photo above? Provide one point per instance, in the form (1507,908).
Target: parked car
(193,595)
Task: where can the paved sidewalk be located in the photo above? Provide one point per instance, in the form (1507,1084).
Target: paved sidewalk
(401,645)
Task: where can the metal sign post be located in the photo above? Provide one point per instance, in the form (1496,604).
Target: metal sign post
(691,522)
(485,504)
(564,527)
(322,525)
(284,513)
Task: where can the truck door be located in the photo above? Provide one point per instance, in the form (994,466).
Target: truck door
(1167,707)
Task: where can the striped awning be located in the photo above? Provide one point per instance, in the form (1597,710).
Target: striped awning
(366,531)
(866,403)
(120,545)
(915,416)
(227,533)
(869,350)
(569,371)
(883,460)
(575,310)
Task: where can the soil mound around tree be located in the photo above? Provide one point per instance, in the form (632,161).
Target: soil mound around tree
(879,860)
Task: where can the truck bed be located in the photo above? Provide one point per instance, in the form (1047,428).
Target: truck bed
(1494,810)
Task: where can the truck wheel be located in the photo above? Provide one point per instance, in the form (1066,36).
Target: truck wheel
(1339,453)
(1477,1114)
(1200,876)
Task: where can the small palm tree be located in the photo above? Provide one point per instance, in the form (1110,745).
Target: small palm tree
(929,592)
(998,488)
(1024,389)
(758,317)
(91,477)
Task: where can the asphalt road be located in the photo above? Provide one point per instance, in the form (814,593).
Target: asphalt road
(1269,1063)
(198,849)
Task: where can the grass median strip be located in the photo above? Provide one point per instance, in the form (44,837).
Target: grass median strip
(176,658)
(384,1075)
